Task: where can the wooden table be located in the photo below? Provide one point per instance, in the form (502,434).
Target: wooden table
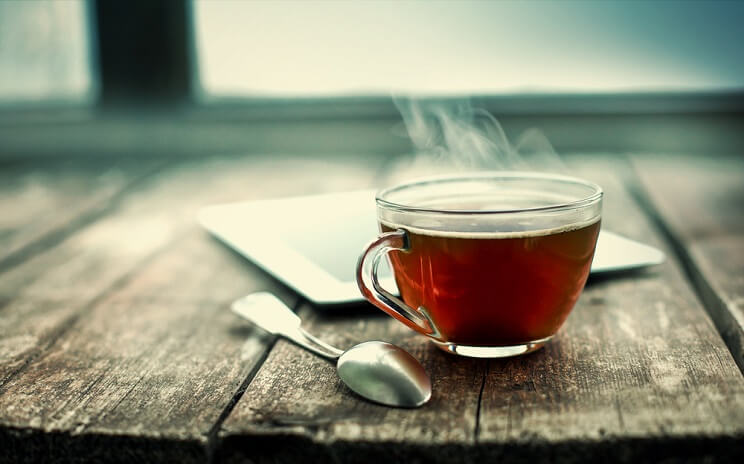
(116,342)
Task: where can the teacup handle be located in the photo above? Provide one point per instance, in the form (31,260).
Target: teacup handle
(369,284)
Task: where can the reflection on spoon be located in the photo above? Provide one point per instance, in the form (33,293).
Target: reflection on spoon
(377,371)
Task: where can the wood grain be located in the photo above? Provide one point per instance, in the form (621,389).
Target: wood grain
(297,408)
(159,360)
(638,374)
(42,204)
(700,204)
(118,343)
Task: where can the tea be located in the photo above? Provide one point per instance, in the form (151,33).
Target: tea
(484,288)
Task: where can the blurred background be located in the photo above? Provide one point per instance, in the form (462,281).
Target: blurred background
(179,78)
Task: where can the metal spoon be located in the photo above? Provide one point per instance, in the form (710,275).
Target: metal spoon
(375,370)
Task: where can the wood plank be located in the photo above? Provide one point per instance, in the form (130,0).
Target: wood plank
(716,267)
(296,408)
(43,203)
(126,334)
(157,360)
(638,373)
(698,197)
(700,203)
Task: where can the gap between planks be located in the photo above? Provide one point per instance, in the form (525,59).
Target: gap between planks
(70,321)
(714,306)
(97,211)
(213,440)
(480,400)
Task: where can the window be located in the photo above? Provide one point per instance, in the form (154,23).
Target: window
(45,51)
(331,48)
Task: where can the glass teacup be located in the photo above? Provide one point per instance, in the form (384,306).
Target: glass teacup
(488,264)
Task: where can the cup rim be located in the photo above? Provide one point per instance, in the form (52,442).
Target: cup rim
(527,175)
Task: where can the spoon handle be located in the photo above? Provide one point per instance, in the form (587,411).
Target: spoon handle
(312,343)
(271,314)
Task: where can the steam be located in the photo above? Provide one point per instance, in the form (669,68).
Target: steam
(452,135)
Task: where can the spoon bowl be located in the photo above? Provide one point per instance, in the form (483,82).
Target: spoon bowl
(385,373)
(377,371)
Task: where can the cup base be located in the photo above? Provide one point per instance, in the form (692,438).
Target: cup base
(492,351)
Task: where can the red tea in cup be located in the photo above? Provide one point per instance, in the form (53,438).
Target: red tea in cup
(495,290)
